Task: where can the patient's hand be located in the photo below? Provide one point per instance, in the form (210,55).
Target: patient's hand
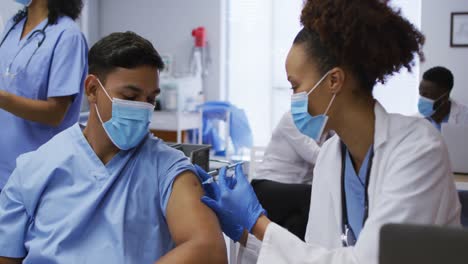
(193,226)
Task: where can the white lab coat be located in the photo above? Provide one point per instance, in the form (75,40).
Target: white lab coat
(290,155)
(458,114)
(410,182)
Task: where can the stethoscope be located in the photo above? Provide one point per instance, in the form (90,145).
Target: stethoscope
(41,32)
(348,238)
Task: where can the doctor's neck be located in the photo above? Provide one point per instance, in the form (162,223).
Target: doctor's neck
(37,12)
(355,126)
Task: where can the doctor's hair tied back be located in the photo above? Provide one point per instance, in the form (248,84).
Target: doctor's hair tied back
(369,37)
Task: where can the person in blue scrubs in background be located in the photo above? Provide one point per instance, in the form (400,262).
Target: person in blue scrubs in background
(43,64)
(111,193)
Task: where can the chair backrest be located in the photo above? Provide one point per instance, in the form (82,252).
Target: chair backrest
(410,244)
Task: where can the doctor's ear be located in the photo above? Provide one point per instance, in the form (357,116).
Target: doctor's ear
(336,80)
(91,87)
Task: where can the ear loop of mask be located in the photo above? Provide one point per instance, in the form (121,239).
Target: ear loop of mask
(318,83)
(436,100)
(440,97)
(330,104)
(95,105)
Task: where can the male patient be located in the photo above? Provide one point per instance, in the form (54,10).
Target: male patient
(111,193)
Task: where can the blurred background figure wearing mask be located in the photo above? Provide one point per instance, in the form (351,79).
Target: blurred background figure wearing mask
(435,103)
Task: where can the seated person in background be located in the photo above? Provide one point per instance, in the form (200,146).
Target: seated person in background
(111,193)
(283,179)
(435,103)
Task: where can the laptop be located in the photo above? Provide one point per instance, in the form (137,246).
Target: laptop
(456,138)
(412,244)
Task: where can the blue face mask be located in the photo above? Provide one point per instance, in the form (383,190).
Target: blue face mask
(426,105)
(311,126)
(129,122)
(24,2)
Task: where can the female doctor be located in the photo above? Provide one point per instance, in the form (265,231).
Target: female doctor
(43,64)
(379,168)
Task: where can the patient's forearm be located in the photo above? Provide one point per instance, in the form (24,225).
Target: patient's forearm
(196,252)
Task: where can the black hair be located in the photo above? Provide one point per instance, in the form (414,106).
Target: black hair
(441,76)
(324,58)
(367,37)
(57,8)
(122,50)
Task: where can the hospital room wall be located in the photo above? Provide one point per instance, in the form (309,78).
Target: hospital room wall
(168,25)
(7,10)
(435,22)
(89,21)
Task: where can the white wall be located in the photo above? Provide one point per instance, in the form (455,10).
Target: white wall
(168,25)
(250,63)
(7,10)
(436,27)
(286,25)
(400,93)
(89,21)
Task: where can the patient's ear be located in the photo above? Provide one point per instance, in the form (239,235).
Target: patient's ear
(91,87)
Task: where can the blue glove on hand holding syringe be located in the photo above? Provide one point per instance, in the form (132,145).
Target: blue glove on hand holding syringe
(233,200)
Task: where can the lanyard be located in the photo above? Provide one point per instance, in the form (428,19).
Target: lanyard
(347,237)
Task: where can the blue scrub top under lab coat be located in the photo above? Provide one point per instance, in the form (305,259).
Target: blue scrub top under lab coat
(58,68)
(62,205)
(355,188)
(438,126)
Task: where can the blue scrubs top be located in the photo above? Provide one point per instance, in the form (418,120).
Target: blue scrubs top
(355,188)
(62,205)
(58,68)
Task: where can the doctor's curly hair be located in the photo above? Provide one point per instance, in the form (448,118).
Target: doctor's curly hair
(367,37)
(57,8)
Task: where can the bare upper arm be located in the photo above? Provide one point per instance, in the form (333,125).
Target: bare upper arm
(4,260)
(188,218)
(61,103)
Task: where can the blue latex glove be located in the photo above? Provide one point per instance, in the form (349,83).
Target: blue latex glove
(234,202)
(212,191)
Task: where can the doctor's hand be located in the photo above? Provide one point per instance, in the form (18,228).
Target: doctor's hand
(234,202)
(213,193)
(212,190)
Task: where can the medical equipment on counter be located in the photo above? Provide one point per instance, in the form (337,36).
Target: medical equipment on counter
(200,57)
(237,132)
(198,154)
(179,99)
(180,93)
